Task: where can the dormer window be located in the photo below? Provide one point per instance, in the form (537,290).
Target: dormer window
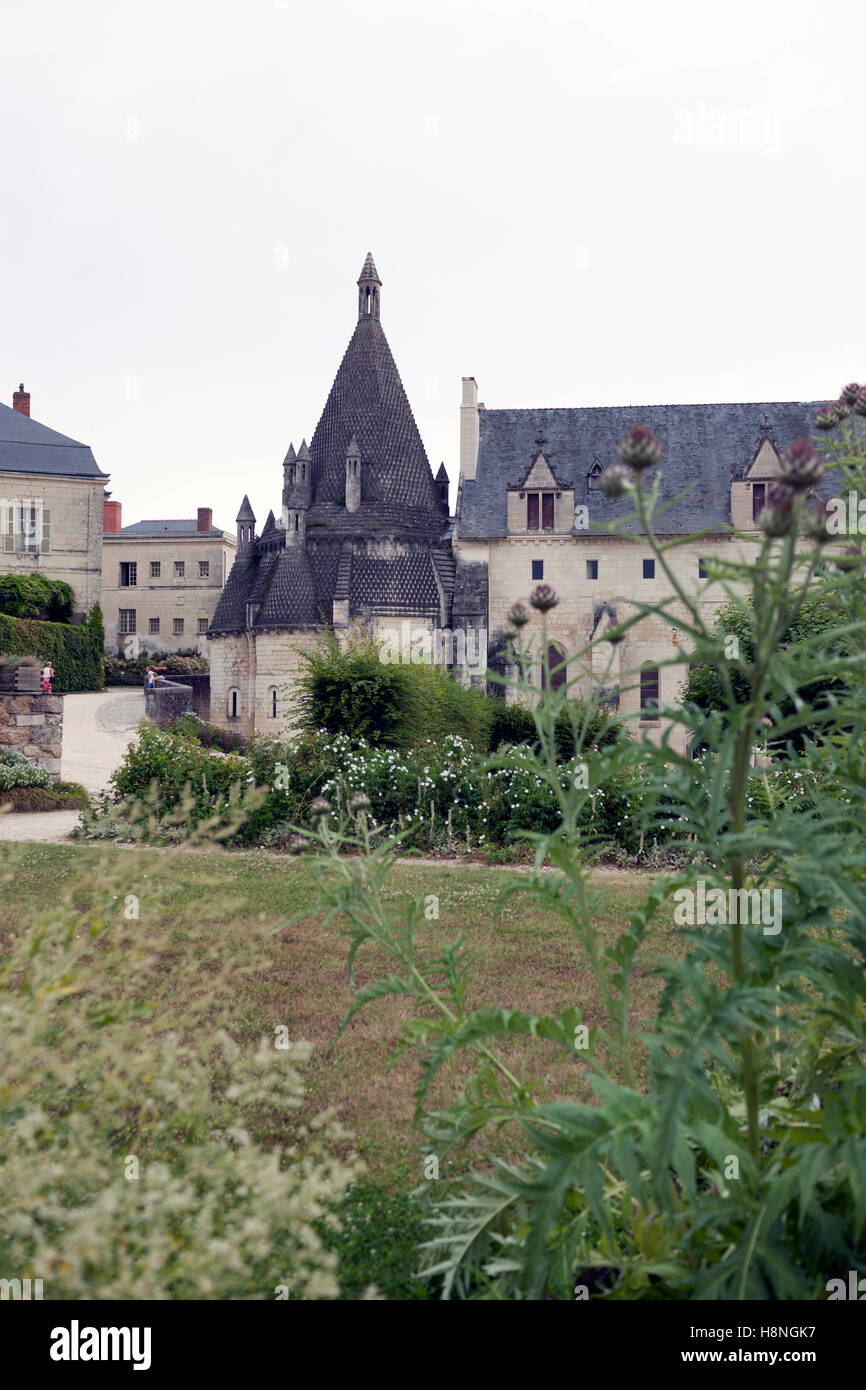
(593,477)
(543,509)
(759,497)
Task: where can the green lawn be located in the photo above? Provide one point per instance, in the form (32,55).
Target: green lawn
(205,935)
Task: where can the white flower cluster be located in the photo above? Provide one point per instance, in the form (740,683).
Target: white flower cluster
(18,771)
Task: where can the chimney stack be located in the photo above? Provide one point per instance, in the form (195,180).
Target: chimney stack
(21,401)
(205,519)
(111,515)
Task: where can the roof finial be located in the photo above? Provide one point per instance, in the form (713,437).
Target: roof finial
(369,285)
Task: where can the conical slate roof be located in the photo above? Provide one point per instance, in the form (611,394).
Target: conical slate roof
(367,400)
(246,512)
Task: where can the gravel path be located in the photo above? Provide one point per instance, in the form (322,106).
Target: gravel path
(96,730)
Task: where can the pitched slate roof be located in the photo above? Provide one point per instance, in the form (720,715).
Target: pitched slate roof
(180,528)
(706,445)
(28,447)
(367,401)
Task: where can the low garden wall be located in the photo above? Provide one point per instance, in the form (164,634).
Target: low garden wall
(168,701)
(33,726)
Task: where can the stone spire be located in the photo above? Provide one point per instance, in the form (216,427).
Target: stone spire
(246,521)
(369,285)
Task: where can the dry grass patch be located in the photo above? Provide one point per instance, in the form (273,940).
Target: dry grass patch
(226,919)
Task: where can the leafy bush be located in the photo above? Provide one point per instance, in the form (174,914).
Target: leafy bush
(177,763)
(36,596)
(76,653)
(396,706)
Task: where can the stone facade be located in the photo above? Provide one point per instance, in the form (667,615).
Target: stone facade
(172,610)
(716,467)
(51,499)
(71,544)
(33,726)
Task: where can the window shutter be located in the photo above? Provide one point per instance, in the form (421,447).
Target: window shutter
(45,543)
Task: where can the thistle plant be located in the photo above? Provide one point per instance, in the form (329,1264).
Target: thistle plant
(735,1167)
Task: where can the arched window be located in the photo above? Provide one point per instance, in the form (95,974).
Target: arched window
(233,703)
(649,692)
(555,666)
(272,702)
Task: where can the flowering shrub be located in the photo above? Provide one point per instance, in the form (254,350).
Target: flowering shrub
(136,1160)
(18,771)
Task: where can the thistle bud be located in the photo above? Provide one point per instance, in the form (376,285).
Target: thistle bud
(518,615)
(778,515)
(815,524)
(639,449)
(860,403)
(614,481)
(842,408)
(850,392)
(802,468)
(359,801)
(827,418)
(320,808)
(543,597)
(297,844)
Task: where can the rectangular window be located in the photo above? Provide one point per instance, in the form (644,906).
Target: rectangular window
(649,569)
(179,569)
(547,511)
(128,576)
(155,569)
(538,569)
(532,511)
(702,569)
(592,569)
(178,627)
(126,621)
(758,499)
(204,569)
(649,692)
(154,625)
(202,626)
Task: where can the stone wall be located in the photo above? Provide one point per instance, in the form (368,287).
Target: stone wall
(167,702)
(74,551)
(33,726)
(177,695)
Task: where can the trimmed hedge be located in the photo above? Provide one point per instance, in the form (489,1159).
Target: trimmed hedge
(75,652)
(120,671)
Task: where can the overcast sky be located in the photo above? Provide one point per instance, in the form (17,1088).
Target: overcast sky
(576,203)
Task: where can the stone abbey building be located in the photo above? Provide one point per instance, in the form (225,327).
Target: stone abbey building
(364,536)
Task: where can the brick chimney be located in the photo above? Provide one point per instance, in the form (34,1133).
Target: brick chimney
(111,515)
(205,519)
(21,401)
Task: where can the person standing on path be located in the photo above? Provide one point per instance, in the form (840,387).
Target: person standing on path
(47,677)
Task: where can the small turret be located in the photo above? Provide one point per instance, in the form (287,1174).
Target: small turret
(353,476)
(288,484)
(246,521)
(442,487)
(299,497)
